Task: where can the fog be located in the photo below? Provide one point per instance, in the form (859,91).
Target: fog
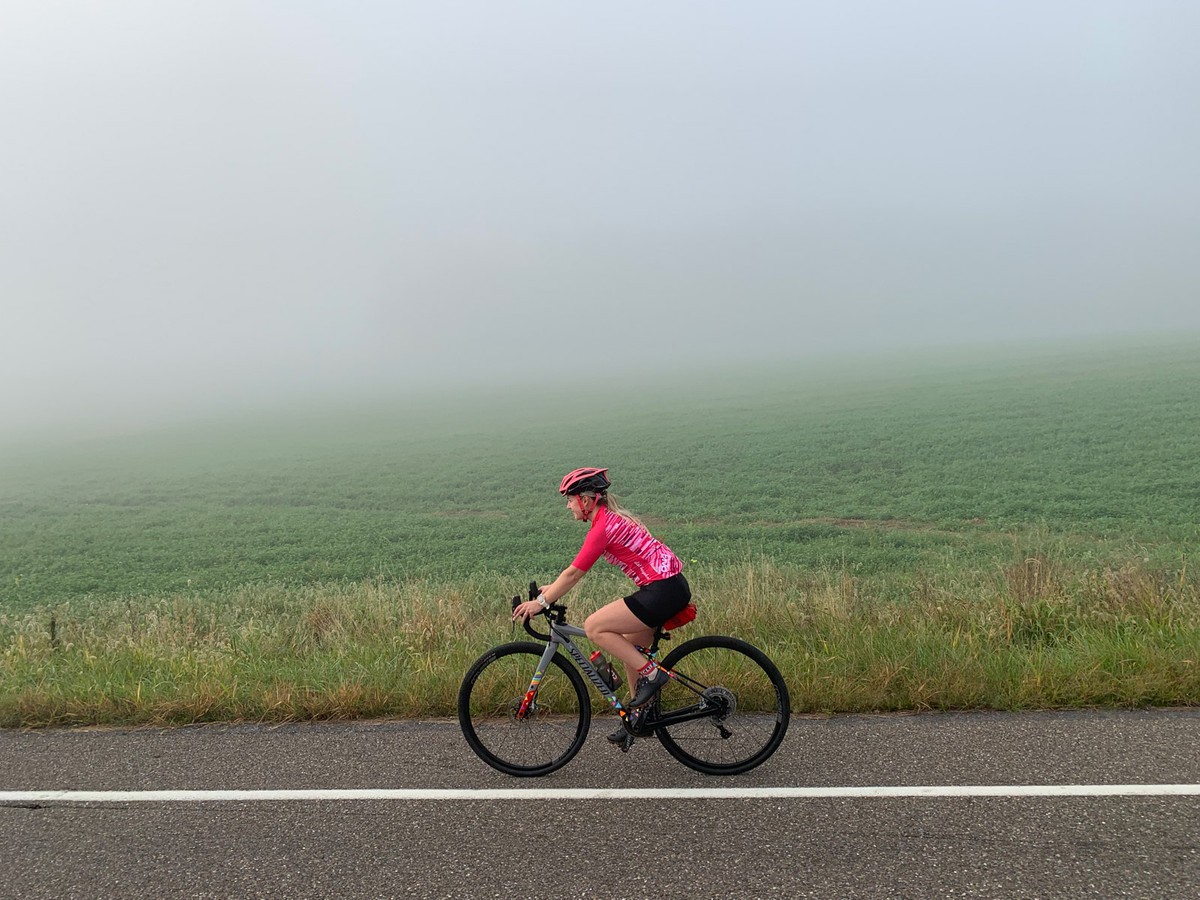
(208,203)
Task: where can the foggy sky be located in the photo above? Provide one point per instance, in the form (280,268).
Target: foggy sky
(214,201)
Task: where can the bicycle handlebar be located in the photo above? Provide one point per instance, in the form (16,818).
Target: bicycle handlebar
(555,609)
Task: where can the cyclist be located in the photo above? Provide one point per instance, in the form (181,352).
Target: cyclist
(662,591)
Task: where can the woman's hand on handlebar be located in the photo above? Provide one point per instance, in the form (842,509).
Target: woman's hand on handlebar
(526,610)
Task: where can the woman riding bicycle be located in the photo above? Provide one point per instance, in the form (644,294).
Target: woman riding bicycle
(620,538)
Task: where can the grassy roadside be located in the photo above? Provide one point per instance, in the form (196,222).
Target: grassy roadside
(1033,633)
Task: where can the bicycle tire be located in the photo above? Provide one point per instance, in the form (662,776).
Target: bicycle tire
(551,733)
(739,677)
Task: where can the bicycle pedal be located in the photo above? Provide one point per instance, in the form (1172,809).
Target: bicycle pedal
(627,743)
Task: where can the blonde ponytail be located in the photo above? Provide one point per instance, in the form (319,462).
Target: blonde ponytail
(610,500)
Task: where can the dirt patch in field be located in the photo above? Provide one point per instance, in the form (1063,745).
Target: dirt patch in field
(897,524)
(889,524)
(471,514)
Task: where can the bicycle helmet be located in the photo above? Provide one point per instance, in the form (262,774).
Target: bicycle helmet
(583,480)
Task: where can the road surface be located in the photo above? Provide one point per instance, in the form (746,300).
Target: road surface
(604,839)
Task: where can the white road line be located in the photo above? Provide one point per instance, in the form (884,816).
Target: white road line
(731,793)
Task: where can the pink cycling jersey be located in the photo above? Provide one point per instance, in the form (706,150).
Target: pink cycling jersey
(629,547)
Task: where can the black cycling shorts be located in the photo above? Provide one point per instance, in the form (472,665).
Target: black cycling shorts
(657,601)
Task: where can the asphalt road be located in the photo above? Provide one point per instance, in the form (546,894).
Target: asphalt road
(794,847)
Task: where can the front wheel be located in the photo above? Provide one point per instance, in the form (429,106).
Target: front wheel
(550,731)
(737,702)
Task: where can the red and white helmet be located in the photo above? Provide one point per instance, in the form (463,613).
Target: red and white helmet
(587,479)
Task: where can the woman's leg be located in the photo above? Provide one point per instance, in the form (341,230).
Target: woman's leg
(641,638)
(614,629)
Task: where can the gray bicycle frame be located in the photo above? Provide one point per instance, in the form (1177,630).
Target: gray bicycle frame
(560,636)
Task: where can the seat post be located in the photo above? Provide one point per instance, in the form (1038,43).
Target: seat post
(660,634)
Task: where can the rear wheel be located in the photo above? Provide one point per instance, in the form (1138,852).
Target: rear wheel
(744,695)
(553,727)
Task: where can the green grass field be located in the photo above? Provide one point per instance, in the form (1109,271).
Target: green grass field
(1043,501)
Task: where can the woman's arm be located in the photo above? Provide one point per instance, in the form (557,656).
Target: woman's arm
(570,577)
(551,593)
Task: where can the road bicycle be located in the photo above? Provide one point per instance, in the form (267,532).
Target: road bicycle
(525,710)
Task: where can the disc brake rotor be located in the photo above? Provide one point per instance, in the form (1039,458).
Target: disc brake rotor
(515,707)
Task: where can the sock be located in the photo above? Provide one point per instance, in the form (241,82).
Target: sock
(647,669)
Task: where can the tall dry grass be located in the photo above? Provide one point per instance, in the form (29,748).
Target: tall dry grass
(1032,633)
